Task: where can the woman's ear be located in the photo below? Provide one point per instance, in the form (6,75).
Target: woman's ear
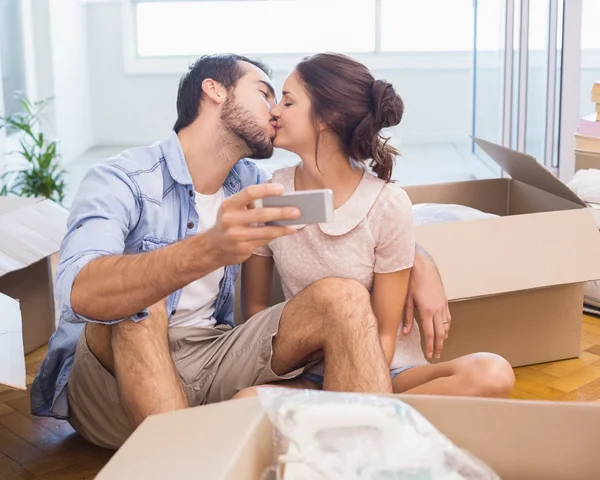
(322,126)
(214,91)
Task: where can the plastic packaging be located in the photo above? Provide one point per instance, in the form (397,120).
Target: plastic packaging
(586,185)
(344,436)
(425,213)
(591,293)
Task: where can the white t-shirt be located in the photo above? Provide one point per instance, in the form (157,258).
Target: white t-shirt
(197,303)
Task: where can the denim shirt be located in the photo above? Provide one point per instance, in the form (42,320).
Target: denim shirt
(138,201)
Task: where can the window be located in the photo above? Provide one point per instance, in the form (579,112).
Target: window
(427,25)
(11,55)
(590,33)
(590,55)
(163,36)
(190,28)
(254,27)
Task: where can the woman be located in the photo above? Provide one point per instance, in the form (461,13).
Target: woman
(331,114)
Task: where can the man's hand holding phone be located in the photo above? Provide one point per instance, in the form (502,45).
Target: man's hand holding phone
(236,234)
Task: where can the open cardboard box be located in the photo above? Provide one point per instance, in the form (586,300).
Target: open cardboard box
(31,229)
(233,440)
(515,283)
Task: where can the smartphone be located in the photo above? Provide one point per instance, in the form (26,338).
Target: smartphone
(316,206)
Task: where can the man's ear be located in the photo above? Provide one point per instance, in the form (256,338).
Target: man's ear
(214,91)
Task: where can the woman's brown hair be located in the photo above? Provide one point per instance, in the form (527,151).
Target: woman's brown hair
(355,106)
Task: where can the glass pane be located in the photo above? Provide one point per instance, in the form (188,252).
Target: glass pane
(489,76)
(408,25)
(514,122)
(590,54)
(537,78)
(11,55)
(283,26)
(558,77)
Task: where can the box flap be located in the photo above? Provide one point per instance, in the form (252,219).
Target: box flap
(220,431)
(8,204)
(527,169)
(30,230)
(12,357)
(508,254)
(233,440)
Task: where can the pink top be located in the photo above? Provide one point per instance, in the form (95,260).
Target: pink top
(371,233)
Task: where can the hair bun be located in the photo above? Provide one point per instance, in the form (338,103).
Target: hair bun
(387,104)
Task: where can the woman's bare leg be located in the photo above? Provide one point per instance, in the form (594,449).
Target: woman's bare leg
(475,375)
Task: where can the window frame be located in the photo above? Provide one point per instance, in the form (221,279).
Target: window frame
(378,59)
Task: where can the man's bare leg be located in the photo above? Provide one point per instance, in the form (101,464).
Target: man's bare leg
(137,354)
(333,316)
(476,375)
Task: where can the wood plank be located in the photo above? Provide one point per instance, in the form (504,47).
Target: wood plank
(4,409)
(576,379)
(77,472)
(63,430)
(560,369)
(18,449)
(587,393)
(519,395)
(538,389)
(11,470)
(65,460)
(540,376)
(588,357)
(28,430)
(40,437)
(594,349)
(12,395)
(36,356)
(585,345)
(22,405)
(539,366)
(591,338)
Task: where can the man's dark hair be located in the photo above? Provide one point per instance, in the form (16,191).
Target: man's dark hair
(224,69)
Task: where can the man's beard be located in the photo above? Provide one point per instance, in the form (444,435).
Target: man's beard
(243,125)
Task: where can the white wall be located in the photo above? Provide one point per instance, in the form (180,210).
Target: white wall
(126,109)
(57,67)
(139,109)
(70,77)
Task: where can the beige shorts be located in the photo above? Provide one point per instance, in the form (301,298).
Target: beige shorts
(213,364)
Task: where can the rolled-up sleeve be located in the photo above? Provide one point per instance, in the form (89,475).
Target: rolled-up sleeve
(103,213)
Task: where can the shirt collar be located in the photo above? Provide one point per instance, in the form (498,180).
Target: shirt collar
(348,216)
(172,152)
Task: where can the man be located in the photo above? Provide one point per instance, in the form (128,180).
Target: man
(168,226)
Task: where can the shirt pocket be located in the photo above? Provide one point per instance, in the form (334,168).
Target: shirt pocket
(150,243)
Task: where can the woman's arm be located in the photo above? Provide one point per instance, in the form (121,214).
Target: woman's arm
(387,300)
(257,277)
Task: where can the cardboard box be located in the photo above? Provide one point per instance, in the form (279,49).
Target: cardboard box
(587,143)
(233,440)
(514,283)
(31,229)
(586,160)
(12,358)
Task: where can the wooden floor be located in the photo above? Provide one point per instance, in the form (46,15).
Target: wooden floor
(48,449)
(575,380)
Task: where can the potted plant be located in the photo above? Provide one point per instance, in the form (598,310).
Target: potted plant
(39,174)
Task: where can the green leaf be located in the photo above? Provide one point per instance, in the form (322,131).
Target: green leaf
(41,175)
